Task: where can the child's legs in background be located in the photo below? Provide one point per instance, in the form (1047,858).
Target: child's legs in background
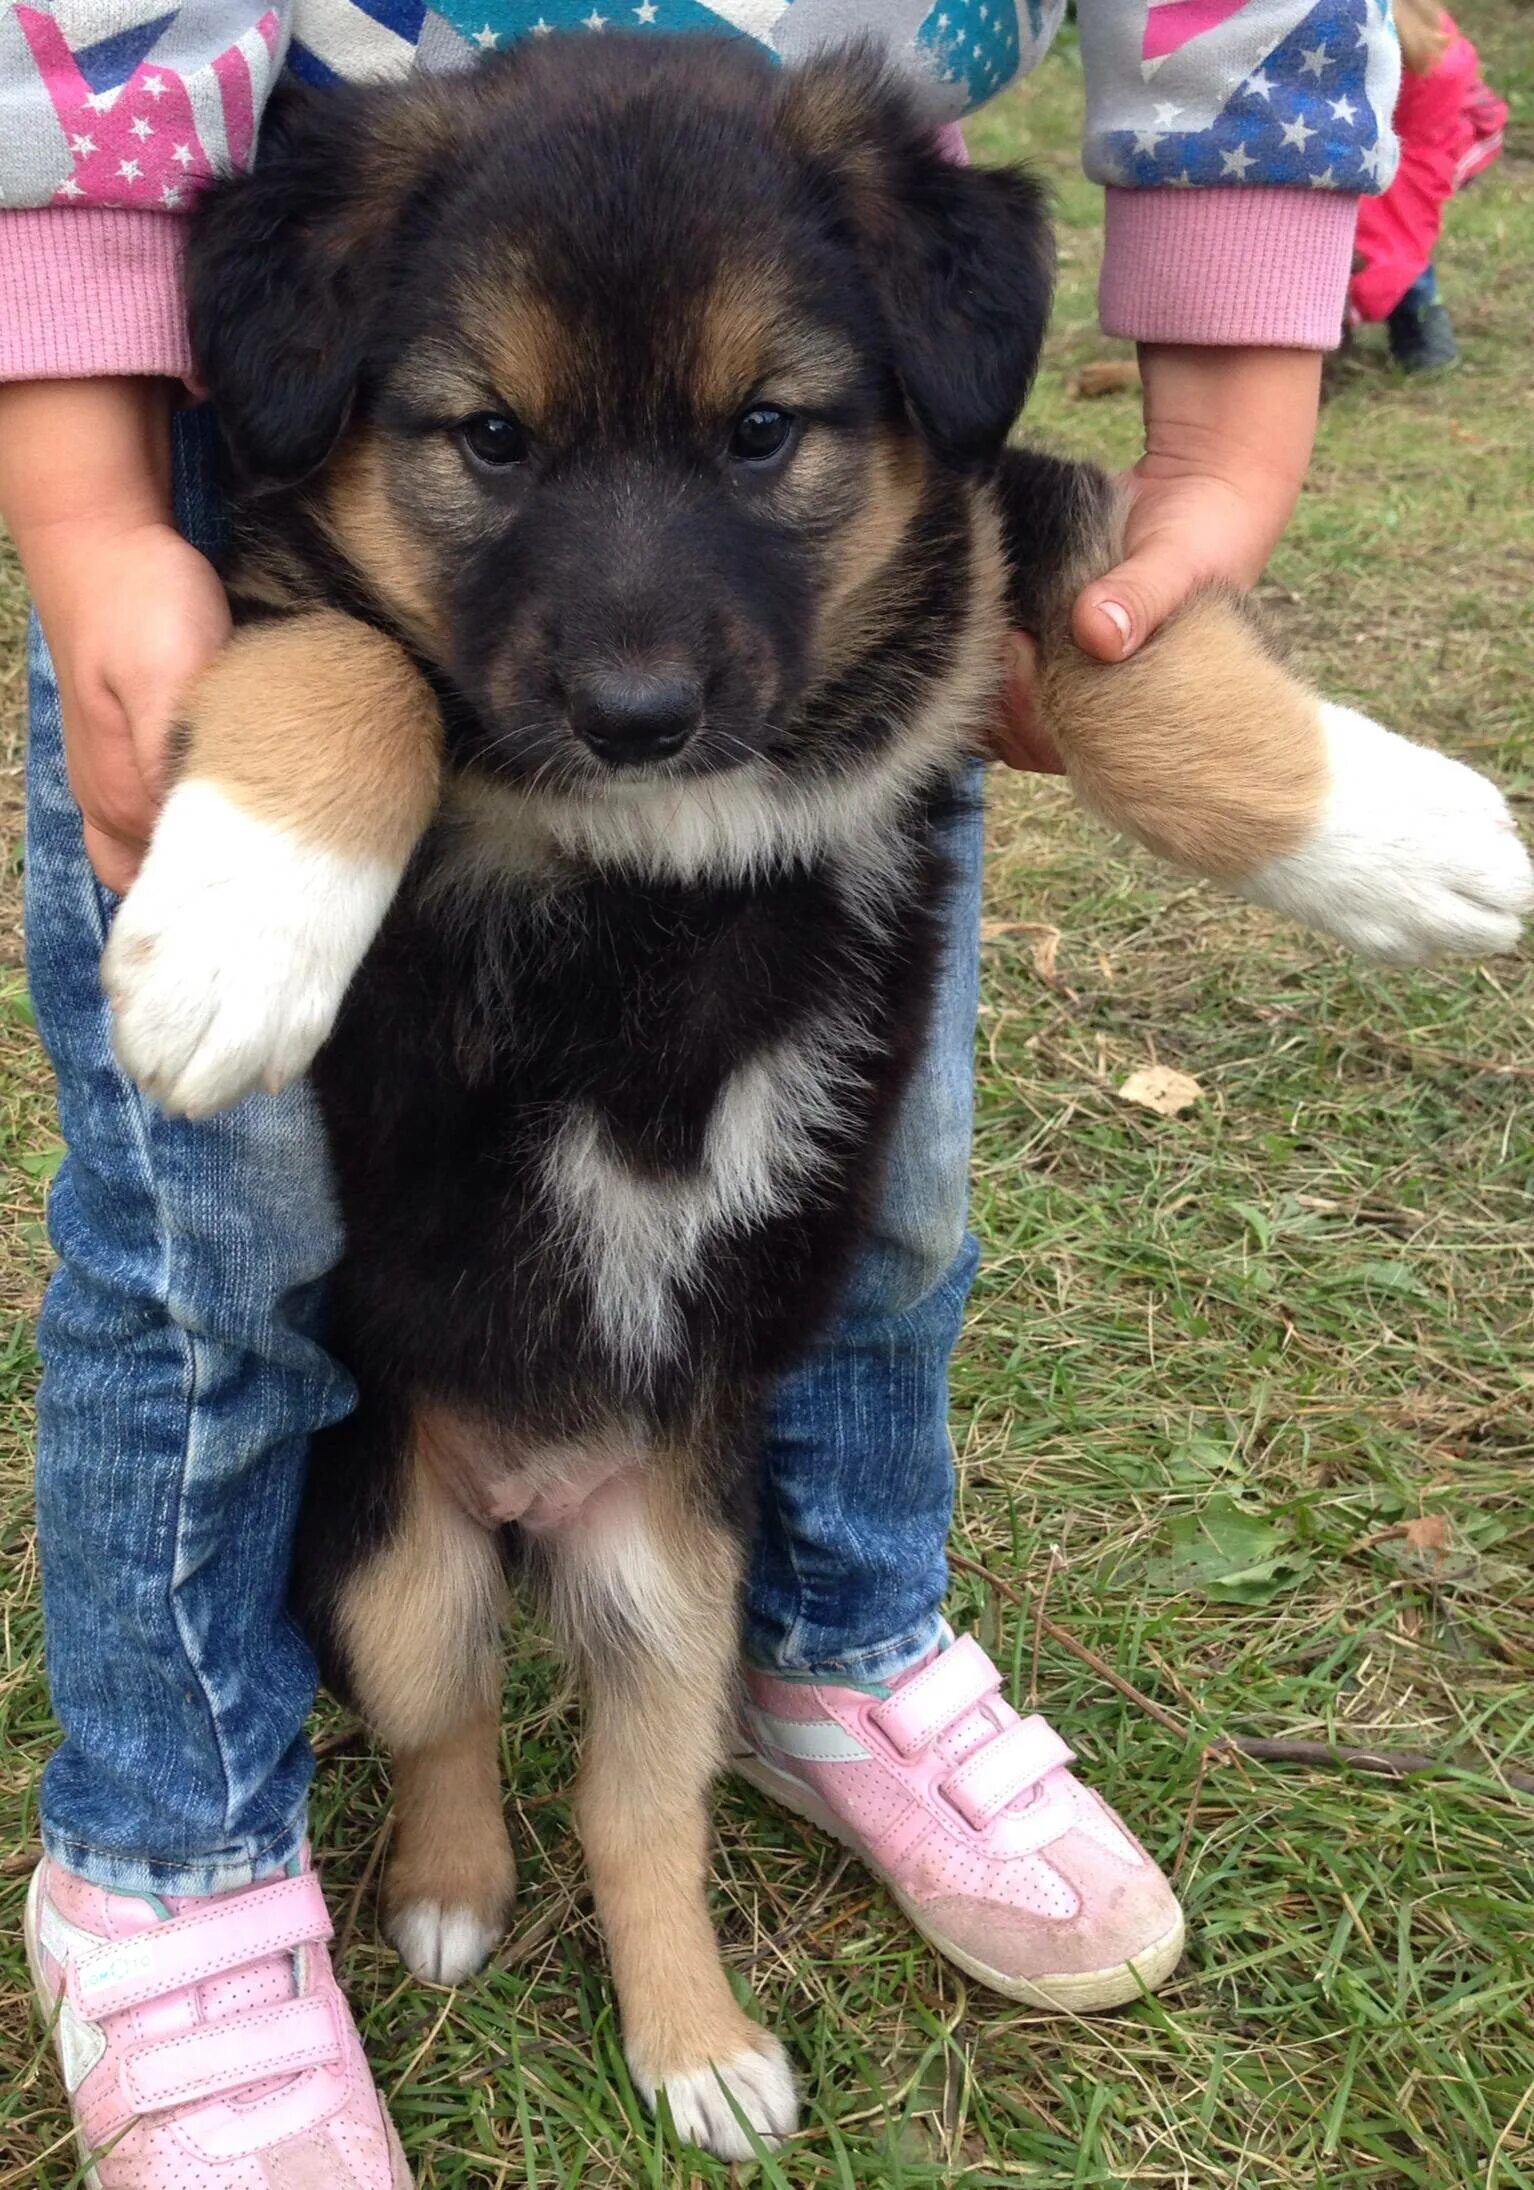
(182,1378)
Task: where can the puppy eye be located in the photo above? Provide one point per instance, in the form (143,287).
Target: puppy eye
(760,434)
(495,438)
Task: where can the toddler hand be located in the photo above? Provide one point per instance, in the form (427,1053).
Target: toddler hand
(132,615)
(1228,435)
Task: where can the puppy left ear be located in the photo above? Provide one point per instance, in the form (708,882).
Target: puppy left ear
(960,258)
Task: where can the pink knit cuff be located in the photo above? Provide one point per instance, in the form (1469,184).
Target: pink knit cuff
(1253,265)
(91,292)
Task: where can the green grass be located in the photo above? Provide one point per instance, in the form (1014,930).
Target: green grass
(1267,1335)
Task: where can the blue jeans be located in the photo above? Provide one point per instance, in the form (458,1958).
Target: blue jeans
(184,1373)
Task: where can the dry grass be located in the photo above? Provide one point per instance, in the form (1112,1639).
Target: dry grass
(1292,1323)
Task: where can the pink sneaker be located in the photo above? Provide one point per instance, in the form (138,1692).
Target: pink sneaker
(204,2042)
(996,1853)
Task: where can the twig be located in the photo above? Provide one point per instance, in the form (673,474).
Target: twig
(1260,1748)
(1419,1053)
(1067,1641)
(1393,1763)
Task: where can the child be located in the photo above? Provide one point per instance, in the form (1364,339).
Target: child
(202,2035)
(1450,129)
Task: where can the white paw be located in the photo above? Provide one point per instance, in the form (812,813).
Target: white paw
(442,1945)
(762,2085)
(230,955)
(1416,854)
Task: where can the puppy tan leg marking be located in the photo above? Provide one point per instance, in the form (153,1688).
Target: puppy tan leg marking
(420,1626)
(309,771)
(1202,747)
(659,1661)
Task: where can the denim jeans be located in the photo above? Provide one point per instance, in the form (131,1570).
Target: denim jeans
(184,1372)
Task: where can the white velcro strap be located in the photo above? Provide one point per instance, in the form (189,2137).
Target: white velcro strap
(225,1934)
(1003,1768)
(957,1679)
(205,2064)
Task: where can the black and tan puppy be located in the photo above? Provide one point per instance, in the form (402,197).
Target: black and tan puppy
(618,431)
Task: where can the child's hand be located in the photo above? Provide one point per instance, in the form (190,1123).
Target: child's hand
(131,618)
(131,613)
(1228,435)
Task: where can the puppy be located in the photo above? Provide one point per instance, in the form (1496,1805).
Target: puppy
(624,554)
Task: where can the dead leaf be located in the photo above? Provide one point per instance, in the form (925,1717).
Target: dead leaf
(1045,952)
(1429,1534)
(1160,1088)
(1104,376)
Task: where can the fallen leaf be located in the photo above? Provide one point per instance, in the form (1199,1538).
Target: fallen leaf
(1230,1554)
(1160,1088)
(1045,952)
(1104,376)
(1429,1533)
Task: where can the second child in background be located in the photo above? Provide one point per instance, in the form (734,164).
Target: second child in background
(1450,129)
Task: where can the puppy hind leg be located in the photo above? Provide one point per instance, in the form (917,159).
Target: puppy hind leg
(647,1592)
(419,1627)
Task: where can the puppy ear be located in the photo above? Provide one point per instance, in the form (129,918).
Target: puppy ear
(960,258)
(281,274)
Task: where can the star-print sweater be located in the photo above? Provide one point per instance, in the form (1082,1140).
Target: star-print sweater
(1234,137)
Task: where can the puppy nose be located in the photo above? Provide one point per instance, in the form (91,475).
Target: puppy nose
(628,715)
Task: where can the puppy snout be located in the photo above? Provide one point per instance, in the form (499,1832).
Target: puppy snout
(630,715)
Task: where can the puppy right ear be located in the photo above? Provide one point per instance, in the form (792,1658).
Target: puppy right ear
(282,286)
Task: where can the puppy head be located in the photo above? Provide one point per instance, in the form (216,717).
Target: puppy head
(641,381)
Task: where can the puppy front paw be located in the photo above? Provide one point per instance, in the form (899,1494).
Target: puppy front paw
(1415,855)
(757,2078)
(230,955)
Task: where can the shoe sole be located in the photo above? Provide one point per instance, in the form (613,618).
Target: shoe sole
(47,2007)
(1074,1992)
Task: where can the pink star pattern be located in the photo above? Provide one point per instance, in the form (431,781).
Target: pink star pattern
(138,144)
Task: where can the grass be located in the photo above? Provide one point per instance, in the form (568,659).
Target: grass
(1266,1339)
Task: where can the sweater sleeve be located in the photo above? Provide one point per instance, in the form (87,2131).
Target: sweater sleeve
(107,130)
(1235,138)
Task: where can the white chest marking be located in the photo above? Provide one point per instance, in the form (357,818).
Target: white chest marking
(641,1237)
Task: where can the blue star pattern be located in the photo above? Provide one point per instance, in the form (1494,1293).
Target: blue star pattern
(1302,117)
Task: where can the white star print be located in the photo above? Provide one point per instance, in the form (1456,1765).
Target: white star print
(170,196)
(1146,140)
(541,29)
(69,189)
(1236,163)
(1184,181)
(82,147)
(1166,114)
(942,22)
(647,12)
(1314,60)
(593,21)
(129,170)
(1372,161)
(182,155)
(1260,86)
(1343,109)
(1326,180)
(486,39)
(101,102)
(140,128)
(155,86)
(1296,132)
